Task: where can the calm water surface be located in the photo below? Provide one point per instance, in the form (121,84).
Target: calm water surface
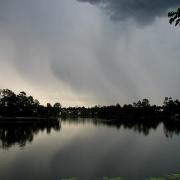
(88,150)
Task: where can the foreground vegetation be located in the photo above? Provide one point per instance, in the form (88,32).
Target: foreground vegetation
(166,177)
(174,17)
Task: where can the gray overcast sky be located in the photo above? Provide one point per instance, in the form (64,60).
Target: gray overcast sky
(87,52)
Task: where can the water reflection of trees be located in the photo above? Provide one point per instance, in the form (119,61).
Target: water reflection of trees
(23,132)
(142,126)
(135,125)
(171,129)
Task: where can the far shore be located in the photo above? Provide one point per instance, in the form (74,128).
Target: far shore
(25,119)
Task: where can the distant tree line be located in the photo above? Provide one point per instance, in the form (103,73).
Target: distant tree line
(141,109)
(21,105)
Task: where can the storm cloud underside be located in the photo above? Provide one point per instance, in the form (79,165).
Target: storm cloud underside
(142,11)
(70,51)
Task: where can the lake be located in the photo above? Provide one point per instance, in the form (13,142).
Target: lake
(88,149)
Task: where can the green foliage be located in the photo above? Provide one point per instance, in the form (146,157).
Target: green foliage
(174,17)
(72,178)
(159,178)
(115,178)
(167,177)
(173,177)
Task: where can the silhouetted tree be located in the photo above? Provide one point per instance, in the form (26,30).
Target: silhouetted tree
(171,106)
(13,105)
(56,109)
(8,102)
(27,106)
(174,17)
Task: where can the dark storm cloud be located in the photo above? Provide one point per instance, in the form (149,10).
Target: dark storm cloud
(142,11)
(70,50)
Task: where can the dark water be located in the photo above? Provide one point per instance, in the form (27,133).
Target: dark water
(88,150)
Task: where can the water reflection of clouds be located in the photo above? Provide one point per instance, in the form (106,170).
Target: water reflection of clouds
(112,153)
(87,149)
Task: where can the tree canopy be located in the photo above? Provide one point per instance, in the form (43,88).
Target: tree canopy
(21,105)
(174,17)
